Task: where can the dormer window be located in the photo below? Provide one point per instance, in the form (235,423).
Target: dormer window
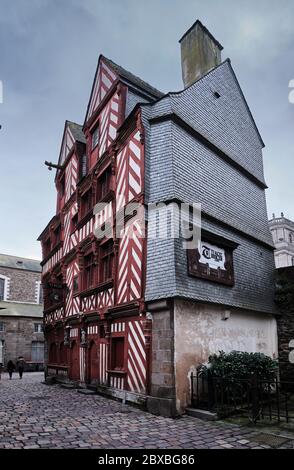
(95,137)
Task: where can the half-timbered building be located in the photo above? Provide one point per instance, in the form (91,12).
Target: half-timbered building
(130,314)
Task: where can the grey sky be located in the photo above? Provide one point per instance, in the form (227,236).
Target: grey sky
(48,56)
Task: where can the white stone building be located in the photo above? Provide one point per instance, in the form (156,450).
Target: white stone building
(282,230)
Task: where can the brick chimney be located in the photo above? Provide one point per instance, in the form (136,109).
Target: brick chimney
(200,52)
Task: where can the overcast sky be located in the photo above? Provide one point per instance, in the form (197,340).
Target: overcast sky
(48,56)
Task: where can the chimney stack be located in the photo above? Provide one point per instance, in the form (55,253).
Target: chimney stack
(200,52)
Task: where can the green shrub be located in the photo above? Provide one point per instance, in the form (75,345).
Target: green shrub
(238,365)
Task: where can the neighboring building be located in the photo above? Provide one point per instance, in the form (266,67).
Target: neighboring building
(282,231)
(21,311)
(285,305)
(134,315)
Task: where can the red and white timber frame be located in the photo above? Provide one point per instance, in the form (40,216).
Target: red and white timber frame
(108,318)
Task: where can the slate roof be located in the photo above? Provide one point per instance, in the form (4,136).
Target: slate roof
(133,79)
(17,262)
(17,309)
(77,131)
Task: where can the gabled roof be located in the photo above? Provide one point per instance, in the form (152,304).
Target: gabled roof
(77,131)
(72,133)
(17,262)
(107,73)
(133,79)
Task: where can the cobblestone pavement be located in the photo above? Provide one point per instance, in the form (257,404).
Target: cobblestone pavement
(34,415)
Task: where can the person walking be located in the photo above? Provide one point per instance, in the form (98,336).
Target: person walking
(20,366)
(10,368)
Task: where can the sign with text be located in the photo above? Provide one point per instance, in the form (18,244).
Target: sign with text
(212,255)
(212,259)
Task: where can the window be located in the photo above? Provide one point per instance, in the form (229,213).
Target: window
(41,298)
(56,292)
(1,327)
(75,284)
(103,184)
(293,261)
(1,352)
(106,261)
(57,235)
(37,354)
(89,272)
(62,186)
(95,137)
(39,293)
(74,222)
(290,238)
(117,353)
(46,247)
(4,287)
(38,327)
(86,203)
(84,165)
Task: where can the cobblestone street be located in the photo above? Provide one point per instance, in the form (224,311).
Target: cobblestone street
(34,415)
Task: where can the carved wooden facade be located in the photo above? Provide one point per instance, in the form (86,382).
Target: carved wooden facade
(94,315)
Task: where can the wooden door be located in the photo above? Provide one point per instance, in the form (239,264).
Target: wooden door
(74,362)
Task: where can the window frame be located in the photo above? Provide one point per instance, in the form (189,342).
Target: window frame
(85,208)
(95,133)
(39,294)
(115,366)
(74,225)
(38,348)
(38,328)
(75,287)
(89,273)
(6,281)
(106,255)
(106,175)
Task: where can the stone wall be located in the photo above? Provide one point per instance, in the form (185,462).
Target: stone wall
(22,284)
(162,389)
(202,330)
(285,320)
(18,336)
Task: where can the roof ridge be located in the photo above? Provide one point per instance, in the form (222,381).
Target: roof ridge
(20,257)
(73,122)
(135,79)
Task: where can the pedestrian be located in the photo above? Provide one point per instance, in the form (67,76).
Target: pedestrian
(10,368)
(20,366)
